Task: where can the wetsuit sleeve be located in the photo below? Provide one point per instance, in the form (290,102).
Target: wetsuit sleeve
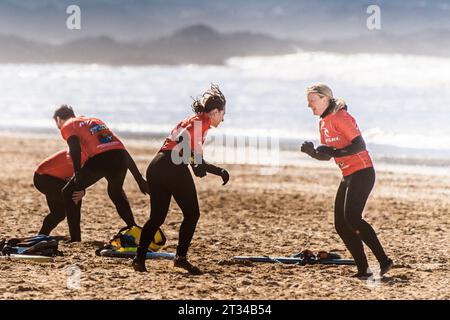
(308,148)
(143,185)
(217,171)
(133,167)
(212,168)
(355,147)
(75,152)
(320,155)
(346,125)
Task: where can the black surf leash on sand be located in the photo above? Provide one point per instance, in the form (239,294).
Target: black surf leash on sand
(305,257)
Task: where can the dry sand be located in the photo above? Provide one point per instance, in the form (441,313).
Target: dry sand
(254,214)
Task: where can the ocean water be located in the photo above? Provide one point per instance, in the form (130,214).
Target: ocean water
(401,103)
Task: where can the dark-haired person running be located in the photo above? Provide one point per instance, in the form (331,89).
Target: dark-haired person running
(107,158)
(168,175)
(342,140)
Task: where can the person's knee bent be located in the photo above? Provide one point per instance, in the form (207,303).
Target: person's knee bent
(59,210)
(55,217)
(155,221)
(355,223)
(59,216)
(50,222)
(341,228)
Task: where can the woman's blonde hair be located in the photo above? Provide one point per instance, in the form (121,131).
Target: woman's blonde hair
(323,90)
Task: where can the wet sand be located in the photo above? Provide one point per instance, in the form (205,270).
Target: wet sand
(254,214)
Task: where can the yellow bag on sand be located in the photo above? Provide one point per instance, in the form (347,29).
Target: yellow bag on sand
(127,239)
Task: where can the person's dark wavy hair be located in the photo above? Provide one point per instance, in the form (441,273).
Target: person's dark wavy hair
(212,99)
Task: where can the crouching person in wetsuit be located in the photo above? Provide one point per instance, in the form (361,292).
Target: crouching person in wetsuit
(107,158)
(168,175)
(50,177)
(342,140)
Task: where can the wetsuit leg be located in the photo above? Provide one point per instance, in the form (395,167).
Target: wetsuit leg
(160,197)
(185,195)
(350,239)
(359,187)
(51,188)
(86,178)
(116,177)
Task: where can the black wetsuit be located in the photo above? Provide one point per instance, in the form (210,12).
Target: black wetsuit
(350,200)
(113,166)
(166,179)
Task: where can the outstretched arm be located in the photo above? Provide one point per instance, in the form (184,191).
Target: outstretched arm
(143,185)
(218,172)
(203,167)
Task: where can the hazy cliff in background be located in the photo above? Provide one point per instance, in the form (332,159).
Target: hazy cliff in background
(204,32)
(197,44)
(203,45)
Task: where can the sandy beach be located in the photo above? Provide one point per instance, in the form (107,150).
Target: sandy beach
(253,215)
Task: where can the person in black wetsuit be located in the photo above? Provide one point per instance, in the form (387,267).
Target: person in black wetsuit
(168,175)
(107,158)
(52,175)
(342,140)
